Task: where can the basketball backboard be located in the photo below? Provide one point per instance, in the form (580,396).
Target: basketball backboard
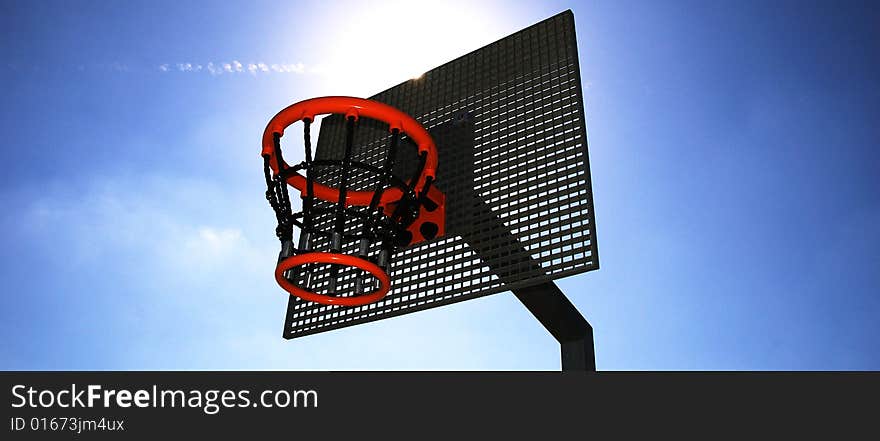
(508,123)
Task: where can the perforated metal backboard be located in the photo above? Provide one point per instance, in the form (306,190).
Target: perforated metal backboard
(508,121)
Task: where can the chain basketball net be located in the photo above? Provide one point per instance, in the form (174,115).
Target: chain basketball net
(348,235)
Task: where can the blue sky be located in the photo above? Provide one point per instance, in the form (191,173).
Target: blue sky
(735,163)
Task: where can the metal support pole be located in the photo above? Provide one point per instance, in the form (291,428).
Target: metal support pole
(573,332)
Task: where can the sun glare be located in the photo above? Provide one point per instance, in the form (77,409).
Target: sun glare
(379,46)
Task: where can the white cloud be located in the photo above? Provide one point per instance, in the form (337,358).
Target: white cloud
(119,67)
(216,242)
(238,67)
(166,223)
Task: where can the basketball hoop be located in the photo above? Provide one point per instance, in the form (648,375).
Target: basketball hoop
(361,228)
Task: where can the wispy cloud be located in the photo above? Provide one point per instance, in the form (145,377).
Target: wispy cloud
(237,67)
(113,66)
(234,67)
(155,224)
